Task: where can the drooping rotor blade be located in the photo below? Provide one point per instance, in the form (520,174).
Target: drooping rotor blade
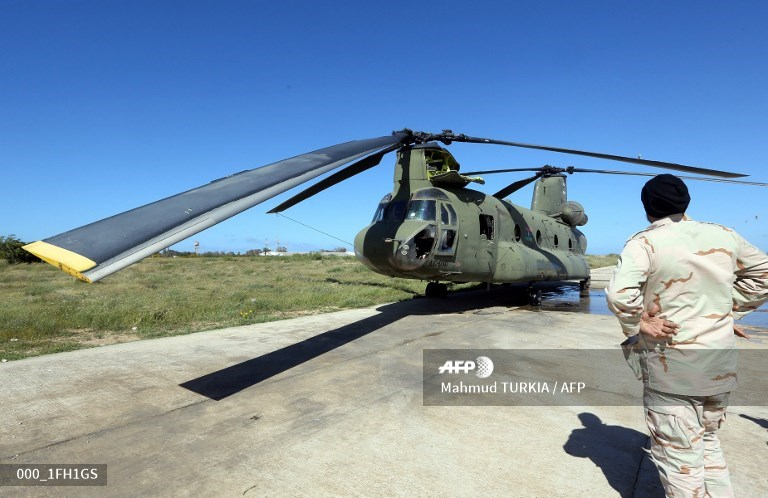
(645,162)
(514,187)
(698,178)
(101,248)
(339,176)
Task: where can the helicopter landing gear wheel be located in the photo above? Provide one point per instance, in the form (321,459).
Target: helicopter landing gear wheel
(436,289)
(584,287)
(534,296)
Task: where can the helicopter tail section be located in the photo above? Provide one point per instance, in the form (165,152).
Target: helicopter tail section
(549,194)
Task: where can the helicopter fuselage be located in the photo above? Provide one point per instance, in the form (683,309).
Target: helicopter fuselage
(431,227)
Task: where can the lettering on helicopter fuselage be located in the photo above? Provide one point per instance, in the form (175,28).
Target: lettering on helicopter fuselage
(437,263)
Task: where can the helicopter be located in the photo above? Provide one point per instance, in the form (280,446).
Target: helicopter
(431,227)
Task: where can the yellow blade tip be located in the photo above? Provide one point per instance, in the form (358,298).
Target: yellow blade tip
(65,260)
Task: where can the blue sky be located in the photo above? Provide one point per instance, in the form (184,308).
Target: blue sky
(108,105)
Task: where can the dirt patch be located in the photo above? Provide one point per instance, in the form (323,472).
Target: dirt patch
(92,338)
(298,313)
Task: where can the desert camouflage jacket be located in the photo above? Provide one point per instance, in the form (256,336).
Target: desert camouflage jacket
(701,276)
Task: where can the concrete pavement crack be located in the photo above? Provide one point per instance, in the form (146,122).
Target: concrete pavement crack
(105,430)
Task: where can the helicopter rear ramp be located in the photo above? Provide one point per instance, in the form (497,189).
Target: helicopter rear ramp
(332,405)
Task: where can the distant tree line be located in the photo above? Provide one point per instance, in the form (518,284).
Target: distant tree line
(172,253)
(11,251)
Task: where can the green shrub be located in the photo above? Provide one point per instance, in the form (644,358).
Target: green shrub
(11,251)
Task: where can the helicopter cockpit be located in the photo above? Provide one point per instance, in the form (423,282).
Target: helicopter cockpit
(430,205)
(422,206)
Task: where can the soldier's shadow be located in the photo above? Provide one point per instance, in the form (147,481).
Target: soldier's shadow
(618,452)
(759,421)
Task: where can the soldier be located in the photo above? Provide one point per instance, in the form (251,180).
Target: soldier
(677,289)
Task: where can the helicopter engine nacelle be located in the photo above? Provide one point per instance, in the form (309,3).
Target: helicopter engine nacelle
(572,213)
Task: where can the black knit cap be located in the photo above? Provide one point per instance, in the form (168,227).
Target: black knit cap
(664,195)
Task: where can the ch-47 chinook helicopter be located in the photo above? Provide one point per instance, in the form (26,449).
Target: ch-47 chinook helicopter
(430,227)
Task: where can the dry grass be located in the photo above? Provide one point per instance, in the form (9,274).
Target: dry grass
(43,310)
(602,261)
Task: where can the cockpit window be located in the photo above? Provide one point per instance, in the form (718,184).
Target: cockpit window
(447,214)
(395,211)
(423,206)
(423,210)
(389,211)
(379,215)
(430,193)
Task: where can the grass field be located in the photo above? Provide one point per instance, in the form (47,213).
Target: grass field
(43,310)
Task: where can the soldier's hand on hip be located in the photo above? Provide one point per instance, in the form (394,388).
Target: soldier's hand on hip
(657,326)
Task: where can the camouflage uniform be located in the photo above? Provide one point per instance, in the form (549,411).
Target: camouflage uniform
(700,276)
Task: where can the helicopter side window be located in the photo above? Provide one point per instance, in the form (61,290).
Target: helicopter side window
(447,238)
(447,214)
(446,244)
(423,210)
(486,226)
(452,215)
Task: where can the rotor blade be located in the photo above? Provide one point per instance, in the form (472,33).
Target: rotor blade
(515,187)
(611,172)
(645,162)
(101,248)
(494,171)
(339,176)
(699,178)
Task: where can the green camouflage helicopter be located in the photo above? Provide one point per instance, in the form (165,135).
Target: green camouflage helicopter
(431,227)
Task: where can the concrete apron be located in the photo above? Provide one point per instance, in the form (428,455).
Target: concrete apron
(332,405)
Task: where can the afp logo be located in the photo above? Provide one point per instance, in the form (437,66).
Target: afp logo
(482,366)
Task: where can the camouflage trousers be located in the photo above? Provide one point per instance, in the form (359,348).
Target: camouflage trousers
(684,445)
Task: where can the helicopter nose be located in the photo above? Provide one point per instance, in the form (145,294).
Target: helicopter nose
(392,248)
(375,244)
(360,252)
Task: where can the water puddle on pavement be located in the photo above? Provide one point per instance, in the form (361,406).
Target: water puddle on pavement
(565,297)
